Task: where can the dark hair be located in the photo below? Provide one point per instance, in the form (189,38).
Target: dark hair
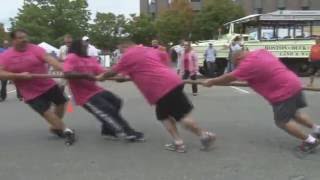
(14,33)
(78,48)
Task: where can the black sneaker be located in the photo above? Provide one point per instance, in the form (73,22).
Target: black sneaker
(316,135)
(307,148)
(70,138)
(57,132)
(135,137)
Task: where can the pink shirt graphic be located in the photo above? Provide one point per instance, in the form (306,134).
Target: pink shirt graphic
(32,61)
(148,70)
(268,76)
(83,90)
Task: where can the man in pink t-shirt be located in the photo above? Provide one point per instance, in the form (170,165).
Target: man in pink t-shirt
(104,105)
(265,74)
(162,87)
(23,59)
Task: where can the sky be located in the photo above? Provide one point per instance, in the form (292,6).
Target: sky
(10,8)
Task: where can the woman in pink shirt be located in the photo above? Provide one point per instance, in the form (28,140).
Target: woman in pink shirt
(189,65)
(103,104)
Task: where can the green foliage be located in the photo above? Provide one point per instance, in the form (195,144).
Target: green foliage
(141,29)
(213,15)
(49,20)
(175,24)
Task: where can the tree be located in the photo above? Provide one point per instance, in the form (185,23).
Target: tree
(49,20)
(141,29)
(3,34)
(213,15)
(175,24)
(107,30)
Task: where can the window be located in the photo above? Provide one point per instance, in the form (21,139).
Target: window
(305,5)
(316,29)
(258,6)
(282,4)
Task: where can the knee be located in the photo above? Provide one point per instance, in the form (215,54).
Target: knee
(280,125)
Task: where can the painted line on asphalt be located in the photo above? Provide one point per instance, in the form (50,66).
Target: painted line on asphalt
(240,90)
(12,91)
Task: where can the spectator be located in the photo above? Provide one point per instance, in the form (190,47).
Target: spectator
(92,50)
(189,66)
(210,59)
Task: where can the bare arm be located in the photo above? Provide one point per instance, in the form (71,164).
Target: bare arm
(53,62)
(106,75)
(5,75)
(222,80)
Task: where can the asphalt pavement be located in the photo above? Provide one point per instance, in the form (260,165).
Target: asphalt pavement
(249,145)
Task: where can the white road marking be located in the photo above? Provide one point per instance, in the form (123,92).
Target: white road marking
(12,91)
(241,90)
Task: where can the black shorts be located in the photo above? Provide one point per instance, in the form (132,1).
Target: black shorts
(42,103)
(175,104)
(287,110)
(315,66)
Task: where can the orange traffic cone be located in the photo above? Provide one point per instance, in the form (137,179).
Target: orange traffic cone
(69,107)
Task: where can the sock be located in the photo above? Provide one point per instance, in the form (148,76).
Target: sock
(316,128)
(310,139)
(178,142)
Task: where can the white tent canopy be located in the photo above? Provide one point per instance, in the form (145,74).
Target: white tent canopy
(49,48)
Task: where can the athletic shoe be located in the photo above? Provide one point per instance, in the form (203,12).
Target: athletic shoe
(135,136)
(57,132)
(207,140)
(306,147)
(179,148)
(70,137)
(316,135)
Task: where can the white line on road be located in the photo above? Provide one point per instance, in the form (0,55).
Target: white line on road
(12,91)
(241,90)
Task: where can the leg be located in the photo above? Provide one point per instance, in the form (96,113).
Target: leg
(304,120)
(292,128)
(194,86)
(189,123)
(60,110)
(54,120)
(172,129)
(3,92)
(19,96)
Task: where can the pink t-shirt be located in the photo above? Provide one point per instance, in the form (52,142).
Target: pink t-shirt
(32,61)
(147,69)
(83,90)
(268,76)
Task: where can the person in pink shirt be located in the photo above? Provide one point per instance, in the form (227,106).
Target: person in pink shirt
(189,65)
(161,86)
(265,74)
(104,105)
(23,59)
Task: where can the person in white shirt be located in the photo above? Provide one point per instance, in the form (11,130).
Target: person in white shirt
(92,50)
(210,59)
(235,46)
(63,52)
(179,49)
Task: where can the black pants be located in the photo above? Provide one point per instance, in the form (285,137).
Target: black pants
(211,69)
(188,75)
(106,107)
(3,91)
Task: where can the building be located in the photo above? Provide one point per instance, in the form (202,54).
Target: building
(154,7)
(263,6)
